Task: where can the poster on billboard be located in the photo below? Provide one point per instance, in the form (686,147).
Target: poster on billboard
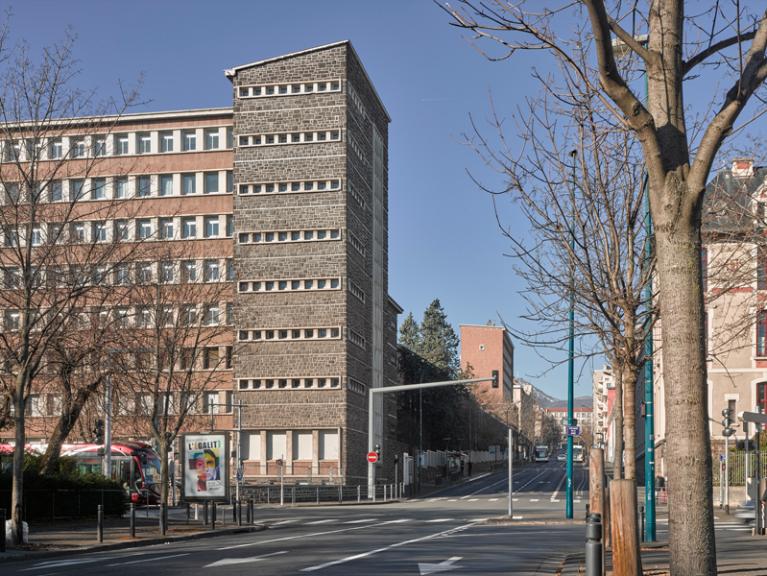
(206,467)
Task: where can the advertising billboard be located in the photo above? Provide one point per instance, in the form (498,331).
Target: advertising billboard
(205,459)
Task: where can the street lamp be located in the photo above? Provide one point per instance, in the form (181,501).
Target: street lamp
(571,366)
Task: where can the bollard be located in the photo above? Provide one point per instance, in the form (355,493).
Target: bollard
(188,512)
(359,494)
(268,495)
(340,495)
(292,495)
(384,486)
(163,519)
(2,531)
(250,511)
(234,511)
(213,515)
(318,493)
(239,512)
(99,523)
(594,545)
(205,513)
(132,520)
(641,516)
(587,512)
(196,511)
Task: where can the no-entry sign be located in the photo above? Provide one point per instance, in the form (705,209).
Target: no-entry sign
(372,457)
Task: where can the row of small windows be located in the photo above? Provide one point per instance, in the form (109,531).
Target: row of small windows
(211,314)
(289,236)
(125,274)
(357,149)
(356,243)
(326,333)
(356,291)
(288,383)
(355,194)
(248,140)
(288,89)
(118,144)
(122,187)
(357,338)
(299,285)
(356,386)
(356,101)
(123,229)
(288,187)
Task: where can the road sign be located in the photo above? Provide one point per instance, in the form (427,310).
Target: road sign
(573,430)
(372,457)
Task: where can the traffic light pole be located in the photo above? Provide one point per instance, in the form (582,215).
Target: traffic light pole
(404,388)
(108,428)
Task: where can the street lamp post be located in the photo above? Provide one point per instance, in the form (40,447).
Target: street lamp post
(571,368)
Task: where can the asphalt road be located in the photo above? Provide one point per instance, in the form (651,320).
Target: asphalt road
(445,532)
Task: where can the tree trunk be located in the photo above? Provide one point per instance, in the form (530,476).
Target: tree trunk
(618,418)
(64,426)
(692,545)
(17,490)
(164,475)
(629,420)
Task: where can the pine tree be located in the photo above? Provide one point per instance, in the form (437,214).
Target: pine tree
(410,333)
(439,342)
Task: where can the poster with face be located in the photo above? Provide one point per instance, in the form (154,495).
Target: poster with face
(205,466)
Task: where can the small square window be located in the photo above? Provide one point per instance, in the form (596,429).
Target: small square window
(166,185)
(143,186)
(188,184)
(211,227)
(211,183)
(211,139)
(189,140)
(121,187)
(143,142)
(189,228)
(166,141)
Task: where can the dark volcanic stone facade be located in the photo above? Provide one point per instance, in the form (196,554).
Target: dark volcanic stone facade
(301,390)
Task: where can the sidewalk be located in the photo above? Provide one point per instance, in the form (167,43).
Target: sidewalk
(744,555)
(71,537)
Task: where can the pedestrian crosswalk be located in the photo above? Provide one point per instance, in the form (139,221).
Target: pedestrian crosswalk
(728,525)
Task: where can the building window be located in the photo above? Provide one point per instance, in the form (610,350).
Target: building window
(55,193)
(98,188)
(211,271)
(167,272)
(281,138)
(288,236)
(77,148)
(211,139)
(121,187)
(143,272)
(229,226)
(211,227)
(230,271)
(357,338)
(122,229)
(100,231)
(290,187)
(189,271)
(188,140)
(77,232)
(166,141)
(211,315)
(189,227)
(229,181)
(210,403)
(211,183)
(143,186)
(166,185)
(188,184)
(229,313)
(277,334)
(143,142)
(165,226)
(144,228)
(761,333)
(189,314)
(99,145)
(55,149)
(761,396)
(289,285)
(121,144)
(76,189)
(12,319)
(210,358)
(329,446)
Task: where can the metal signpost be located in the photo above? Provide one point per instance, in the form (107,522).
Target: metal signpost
(727,421)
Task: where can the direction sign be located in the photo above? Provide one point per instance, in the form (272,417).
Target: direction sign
(372,457)
(573,430)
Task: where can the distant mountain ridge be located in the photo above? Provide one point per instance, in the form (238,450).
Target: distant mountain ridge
(545,401)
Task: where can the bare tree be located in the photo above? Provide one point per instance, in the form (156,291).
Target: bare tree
(678,160)
(176,339)
(48,258)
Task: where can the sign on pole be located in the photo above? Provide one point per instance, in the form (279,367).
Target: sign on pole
(573,430)
(372,457)
(206,467)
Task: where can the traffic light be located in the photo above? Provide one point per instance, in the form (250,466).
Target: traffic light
(98,431)
(494,374)
(727,422)
(378,451)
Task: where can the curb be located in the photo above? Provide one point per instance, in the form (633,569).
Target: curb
(129,544)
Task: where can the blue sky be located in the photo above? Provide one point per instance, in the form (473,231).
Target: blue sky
(444,242)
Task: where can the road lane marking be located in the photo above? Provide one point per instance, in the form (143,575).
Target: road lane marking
(282,522)
(385,548)
(230,561)
(535,500)
(559,487)
(315,522)
(360,521)
(152,559)
(448,565)
(473,499)
(438,520)
(296,537)
(400,521)
(453,500)
(493,500)
(475,478)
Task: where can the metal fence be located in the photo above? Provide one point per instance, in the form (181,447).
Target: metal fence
(737,467)
(304,494)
